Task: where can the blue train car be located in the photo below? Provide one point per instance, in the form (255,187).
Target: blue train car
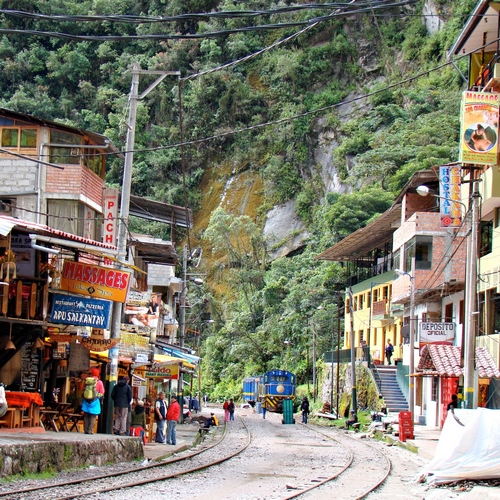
(270,389)
(251,389)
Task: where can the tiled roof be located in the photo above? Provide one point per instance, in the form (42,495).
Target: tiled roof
(444,361)
(485,364)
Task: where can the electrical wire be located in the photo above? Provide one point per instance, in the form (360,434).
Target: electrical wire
(186,36)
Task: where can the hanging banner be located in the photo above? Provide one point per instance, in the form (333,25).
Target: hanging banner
(96,281)
(80,311)
(111,216)
(479,128)
(449,192)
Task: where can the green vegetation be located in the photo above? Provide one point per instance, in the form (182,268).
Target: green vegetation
(398,116)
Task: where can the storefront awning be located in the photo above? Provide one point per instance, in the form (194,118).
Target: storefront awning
(182,355)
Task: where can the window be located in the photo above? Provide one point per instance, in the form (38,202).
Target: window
(18,138)
(73,217)
(486,238)
(7,206)
(434,389)
(420,248)
(448,313)
(66,154)
(396,262)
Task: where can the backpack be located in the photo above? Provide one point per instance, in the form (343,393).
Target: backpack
(89,392)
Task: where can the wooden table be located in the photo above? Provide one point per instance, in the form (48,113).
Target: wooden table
(48,418)
(70,421)
(27,404)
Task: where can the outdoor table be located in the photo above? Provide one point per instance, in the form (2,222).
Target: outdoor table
(71,421)
(49,418)
(27,402)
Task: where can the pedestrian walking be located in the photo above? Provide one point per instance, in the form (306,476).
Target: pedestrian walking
(173,414)
(91,400)
(160,418)
(231,409)
(264,410)
(389,349)
(122,397)
(225,407)
(304,408)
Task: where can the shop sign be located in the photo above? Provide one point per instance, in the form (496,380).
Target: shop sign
(80,311)
(111,215)
(95,281)
(167,372)
(433,333)
(98,345)
(450,193)
(479,128)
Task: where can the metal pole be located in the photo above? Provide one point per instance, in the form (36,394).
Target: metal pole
(411,393)
(314,359)
(338,358)
(112,373)
(470,299)
(182,330)
(353,353)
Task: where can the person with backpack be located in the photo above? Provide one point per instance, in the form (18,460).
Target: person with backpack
(138,421)
(91,401)
(121,396)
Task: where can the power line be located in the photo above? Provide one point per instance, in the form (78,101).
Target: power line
(214,34)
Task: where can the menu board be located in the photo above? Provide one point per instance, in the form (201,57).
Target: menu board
(30,362)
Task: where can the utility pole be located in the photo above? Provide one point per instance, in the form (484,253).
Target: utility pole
(314,358)
(182,330)
(353,352)
(411,393)
(112,375)
(470,298)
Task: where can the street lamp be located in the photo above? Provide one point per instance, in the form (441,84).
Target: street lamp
(470,292)
(411,394)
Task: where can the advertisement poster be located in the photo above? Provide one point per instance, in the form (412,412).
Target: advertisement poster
(449,192)
(479,128)
(80,311)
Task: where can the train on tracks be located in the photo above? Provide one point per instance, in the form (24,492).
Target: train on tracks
(270,389)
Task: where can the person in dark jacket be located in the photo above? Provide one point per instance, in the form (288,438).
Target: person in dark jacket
(304,407)
(121,396)
(161,418)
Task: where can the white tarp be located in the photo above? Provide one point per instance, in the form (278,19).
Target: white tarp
(471,451)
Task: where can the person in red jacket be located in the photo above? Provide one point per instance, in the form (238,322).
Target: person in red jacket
(173,414)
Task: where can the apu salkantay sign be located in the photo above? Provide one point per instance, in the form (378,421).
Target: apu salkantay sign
(80,311)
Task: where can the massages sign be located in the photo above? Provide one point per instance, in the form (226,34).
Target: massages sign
(95,281)
(479,128)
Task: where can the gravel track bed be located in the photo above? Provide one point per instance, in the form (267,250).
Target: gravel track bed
(281,461)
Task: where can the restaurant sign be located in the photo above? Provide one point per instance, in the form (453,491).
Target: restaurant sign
(163,372)
(80,311)
(95,281)
(436,333)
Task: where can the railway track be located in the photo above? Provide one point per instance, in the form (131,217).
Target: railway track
(244,457)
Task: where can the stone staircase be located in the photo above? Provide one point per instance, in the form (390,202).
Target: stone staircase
(395,400)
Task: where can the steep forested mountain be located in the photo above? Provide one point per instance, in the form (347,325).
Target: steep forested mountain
(326,109)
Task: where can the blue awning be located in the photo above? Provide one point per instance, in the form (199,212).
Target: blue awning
(178,354)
